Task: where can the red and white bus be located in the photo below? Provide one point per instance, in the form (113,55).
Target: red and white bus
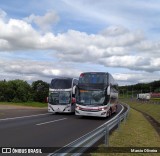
(97,94)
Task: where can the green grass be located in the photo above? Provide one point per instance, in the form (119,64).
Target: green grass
(135,132)
(30,104)
(148,107)
(155,99)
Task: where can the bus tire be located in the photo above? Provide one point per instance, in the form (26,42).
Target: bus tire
(109,112)
(116,109)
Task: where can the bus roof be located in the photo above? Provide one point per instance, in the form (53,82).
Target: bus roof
(95,80)
(61,83)
(62,78)
(95,73)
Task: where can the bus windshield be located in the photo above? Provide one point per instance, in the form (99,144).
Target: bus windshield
(91,78)
(91,97)
(61,83)
(62,98)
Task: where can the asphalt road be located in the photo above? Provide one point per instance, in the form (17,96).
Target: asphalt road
(44,129)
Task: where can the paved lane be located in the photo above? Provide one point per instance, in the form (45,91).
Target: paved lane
(47,130)
(10,111)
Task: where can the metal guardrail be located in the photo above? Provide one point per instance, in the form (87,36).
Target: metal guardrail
(77,147)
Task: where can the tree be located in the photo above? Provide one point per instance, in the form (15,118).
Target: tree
(15,90)
(40,90)
(3,88)
(142,87)
(23,91)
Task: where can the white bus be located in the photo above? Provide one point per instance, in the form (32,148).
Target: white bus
(97,95)
(62,95)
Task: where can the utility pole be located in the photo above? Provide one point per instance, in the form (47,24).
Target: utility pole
(123,93)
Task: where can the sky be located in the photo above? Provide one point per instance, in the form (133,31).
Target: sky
(40,40)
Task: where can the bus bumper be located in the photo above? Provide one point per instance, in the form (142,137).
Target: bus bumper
(96,114)
(59,109)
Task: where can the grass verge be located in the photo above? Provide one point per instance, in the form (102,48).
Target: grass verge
(136,132)
(30,104)
(146,107)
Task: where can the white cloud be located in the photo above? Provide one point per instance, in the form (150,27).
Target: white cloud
(114,31)
(17,34)
(135,77)
(149,46)
(3,14)
(33,70)
(115,46)
(140,14)
(44,22)
(4,45)
(136,63)
(41,69)
(120,48)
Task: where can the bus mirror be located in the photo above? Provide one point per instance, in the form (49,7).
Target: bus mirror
(73,100)
(46,100)
(108,90)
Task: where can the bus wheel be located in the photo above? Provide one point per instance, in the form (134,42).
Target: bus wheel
(116,109)
(109,113)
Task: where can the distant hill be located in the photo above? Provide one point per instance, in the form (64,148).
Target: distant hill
(132,90)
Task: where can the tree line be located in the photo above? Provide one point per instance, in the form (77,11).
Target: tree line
(130,90)
(21,91)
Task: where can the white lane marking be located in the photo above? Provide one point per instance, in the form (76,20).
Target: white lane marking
(51,121)
(21,117)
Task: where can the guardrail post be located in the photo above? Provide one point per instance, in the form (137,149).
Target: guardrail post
(119,121)
(127,113)
(125,117)
(106,138)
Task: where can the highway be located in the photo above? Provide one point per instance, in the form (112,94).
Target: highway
(46,130)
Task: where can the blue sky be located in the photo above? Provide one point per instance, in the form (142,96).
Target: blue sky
(40,40)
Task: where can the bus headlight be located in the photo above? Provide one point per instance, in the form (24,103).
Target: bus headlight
(102,109)
(77,107)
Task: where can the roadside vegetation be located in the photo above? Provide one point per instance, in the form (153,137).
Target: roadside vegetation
(155,100)
(148,107)
(19,91)
(135,132)
(132,90)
